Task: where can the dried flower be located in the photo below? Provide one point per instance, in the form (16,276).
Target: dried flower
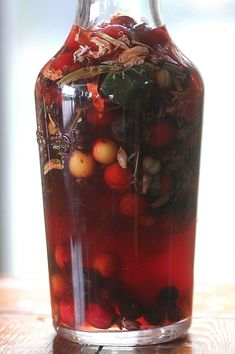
(122,158)
(163,79)
(53,74)
(134,56)
(53,164)
(151,165)
(52,127)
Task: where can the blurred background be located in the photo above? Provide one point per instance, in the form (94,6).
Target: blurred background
(31,33)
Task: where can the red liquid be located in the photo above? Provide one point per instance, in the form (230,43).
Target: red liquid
(120,182)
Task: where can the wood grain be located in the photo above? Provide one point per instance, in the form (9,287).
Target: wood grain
(25,324)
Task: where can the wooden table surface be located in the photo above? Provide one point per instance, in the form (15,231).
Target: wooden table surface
(25,324)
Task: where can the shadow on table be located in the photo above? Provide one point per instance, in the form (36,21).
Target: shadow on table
(182,346)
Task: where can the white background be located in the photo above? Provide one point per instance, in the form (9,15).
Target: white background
(31,33)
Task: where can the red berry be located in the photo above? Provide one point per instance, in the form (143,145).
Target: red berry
(117,177)
(162,134)
(100,316)
(101,118)
(116,31)
(125,21)
(63,255)
(107,264)
(67,311)
(96,118)
(132,204)
(59,285)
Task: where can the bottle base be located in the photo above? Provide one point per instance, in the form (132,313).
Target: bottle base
(128,339)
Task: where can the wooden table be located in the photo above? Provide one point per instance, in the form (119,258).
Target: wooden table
(25,324)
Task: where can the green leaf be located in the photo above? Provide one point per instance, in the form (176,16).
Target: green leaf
(127,84)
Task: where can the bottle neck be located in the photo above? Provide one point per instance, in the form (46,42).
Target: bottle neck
(94,12)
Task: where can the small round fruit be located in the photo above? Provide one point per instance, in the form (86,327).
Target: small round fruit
(108,264)
(100,316)
(133,204)
(81,164)
(67,311)
(162,134)
(59,285)
(63,255)
(116,177)
(105,151)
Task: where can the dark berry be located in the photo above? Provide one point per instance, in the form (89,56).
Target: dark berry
(108,264)
(155,316)
(63,255)
(130,309)
(92,283)
(100,316)
(168,296)
(67,311)
(175,314)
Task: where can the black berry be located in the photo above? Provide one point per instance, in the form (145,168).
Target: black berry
(168,296)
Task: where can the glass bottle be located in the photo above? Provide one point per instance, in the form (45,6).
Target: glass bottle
(119,118)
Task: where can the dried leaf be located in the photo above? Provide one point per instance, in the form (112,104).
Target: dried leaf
(104,48)
(130,325)
(87,73)
(53,74)
(52,127)
(122,158)
(54,164)
(79,55)
(147,181)
(134,56)
(117,43)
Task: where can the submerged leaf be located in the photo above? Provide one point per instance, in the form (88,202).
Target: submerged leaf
(87,73)
(125,85)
